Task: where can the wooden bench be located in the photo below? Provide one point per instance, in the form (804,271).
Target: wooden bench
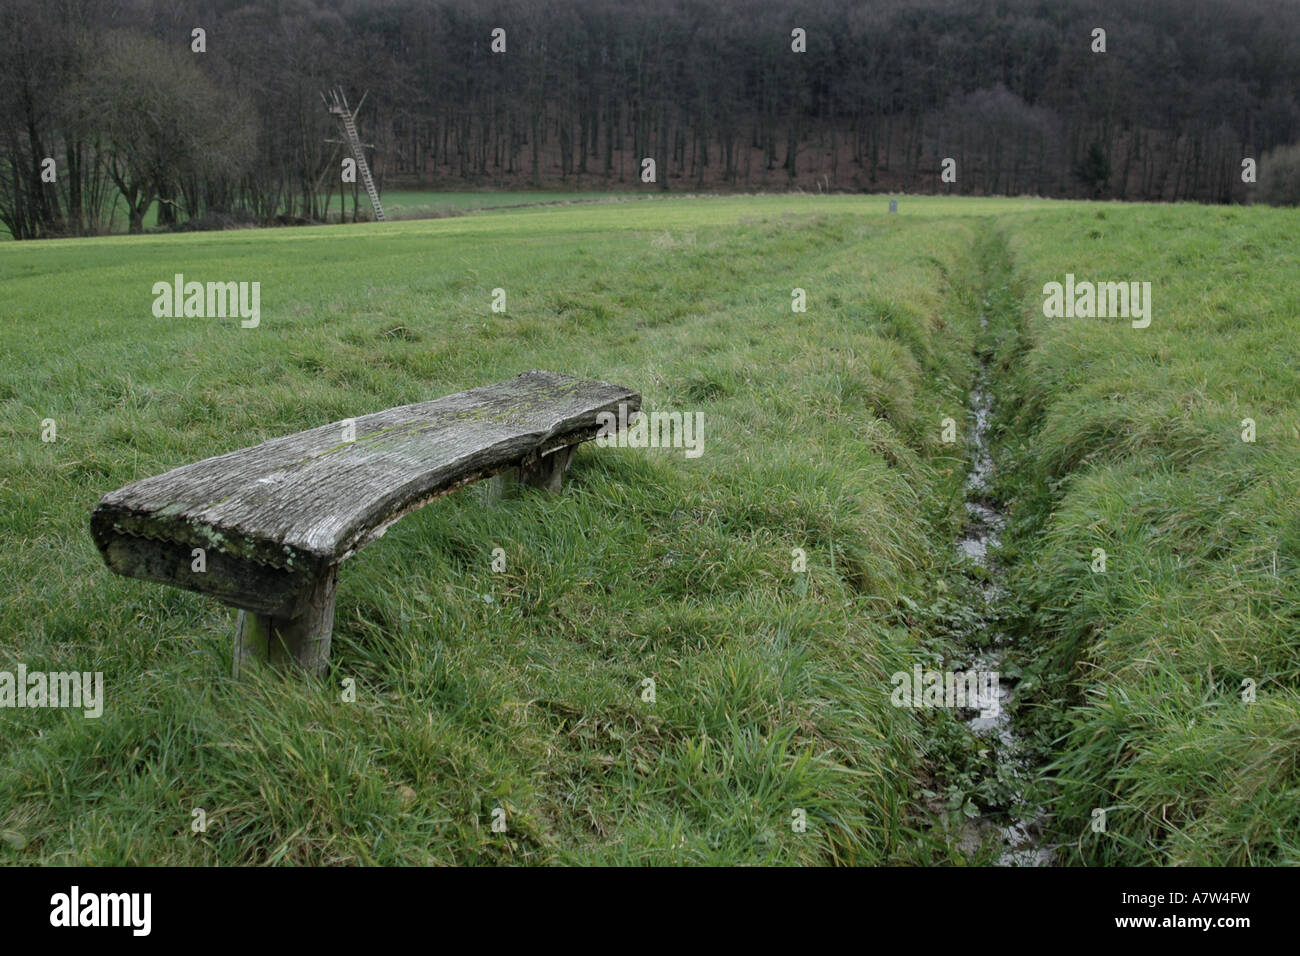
(274,521)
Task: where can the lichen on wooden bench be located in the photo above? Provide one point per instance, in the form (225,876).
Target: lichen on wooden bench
(275,520)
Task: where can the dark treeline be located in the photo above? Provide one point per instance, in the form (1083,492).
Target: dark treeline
(113,93)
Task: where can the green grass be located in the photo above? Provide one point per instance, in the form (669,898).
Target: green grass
(431,204)
(523,690)
(411,204)
(1130,440)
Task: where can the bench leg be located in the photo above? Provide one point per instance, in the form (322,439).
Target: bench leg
(546,473)
(301,643)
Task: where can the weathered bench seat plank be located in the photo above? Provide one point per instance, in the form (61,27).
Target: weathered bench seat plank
(274,518)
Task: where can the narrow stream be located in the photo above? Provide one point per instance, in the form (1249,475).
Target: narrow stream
(1019,835)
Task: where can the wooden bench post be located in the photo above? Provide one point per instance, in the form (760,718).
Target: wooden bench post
(288,644)
(546,473)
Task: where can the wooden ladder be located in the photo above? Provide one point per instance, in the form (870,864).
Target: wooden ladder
(339,107)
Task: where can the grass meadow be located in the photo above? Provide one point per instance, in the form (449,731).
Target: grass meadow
(524,690)
(1131,441)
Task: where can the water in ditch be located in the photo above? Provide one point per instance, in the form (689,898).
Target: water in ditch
(1018,825)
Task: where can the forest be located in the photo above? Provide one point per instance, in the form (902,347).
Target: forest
(212,111)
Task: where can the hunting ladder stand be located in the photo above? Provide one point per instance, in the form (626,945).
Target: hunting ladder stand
(337,104)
